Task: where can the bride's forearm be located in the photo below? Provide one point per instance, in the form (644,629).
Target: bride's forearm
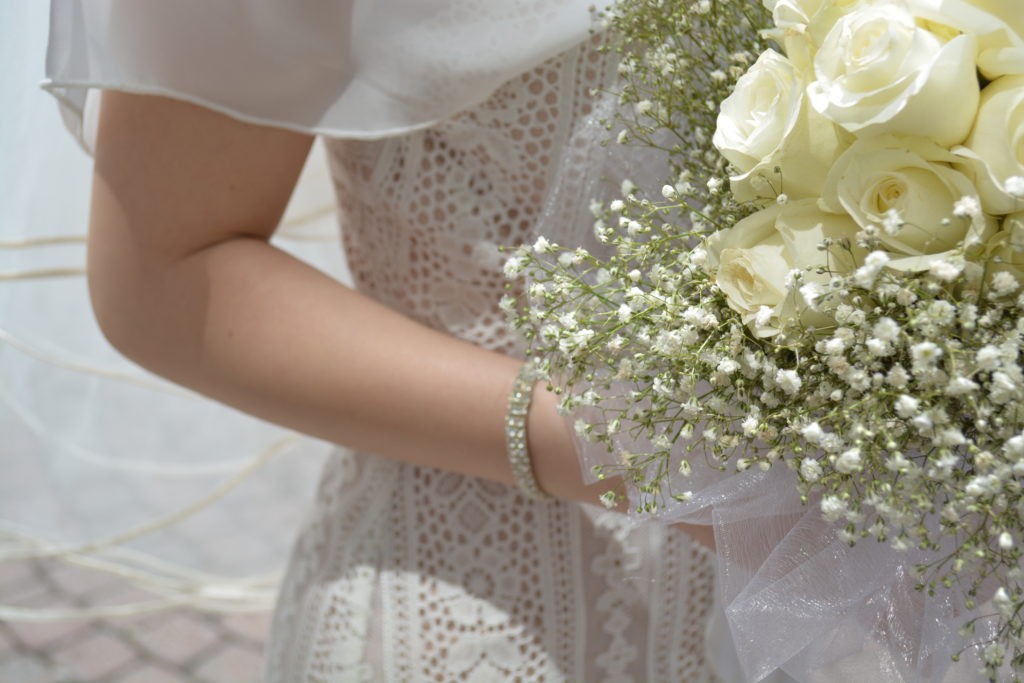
(249,325)
(183,280)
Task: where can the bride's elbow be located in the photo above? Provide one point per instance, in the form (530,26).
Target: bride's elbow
(124,295)
(114,305)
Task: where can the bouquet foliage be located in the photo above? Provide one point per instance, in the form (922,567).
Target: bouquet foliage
(827,279)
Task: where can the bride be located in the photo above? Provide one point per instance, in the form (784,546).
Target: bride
(443,549)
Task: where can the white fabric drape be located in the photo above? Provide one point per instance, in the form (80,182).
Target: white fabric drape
(347,68)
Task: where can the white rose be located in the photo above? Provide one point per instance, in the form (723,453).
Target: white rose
(995,147)
(998,24)
(801,25)
(1006,248)
(917,179)
(766,124)
(877,72)
(752,259)
(750,267)
(1013,225)
(809,15)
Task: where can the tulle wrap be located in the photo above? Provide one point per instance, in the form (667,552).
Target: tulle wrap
(797,599)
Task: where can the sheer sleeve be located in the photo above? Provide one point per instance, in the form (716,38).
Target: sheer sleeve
(341,68)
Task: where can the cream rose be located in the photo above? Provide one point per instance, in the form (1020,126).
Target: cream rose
(750,267)
(766,124)
(801,16)
(995,148)
(1013,225)
(1006,248)
(998,24)
(878,72)
(752,260)
(801,25)
(915,177)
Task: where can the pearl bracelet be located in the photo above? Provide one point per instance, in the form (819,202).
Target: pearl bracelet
(515,430)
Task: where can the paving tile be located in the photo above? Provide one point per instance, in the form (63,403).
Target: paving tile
(14,573)
(78,580)
(255,627)
(176,637)
(233,665)
(91,658)
(38,635)
(112,592)
(8,649)
(34,594)
(25,669)
(14,592)
(152,674)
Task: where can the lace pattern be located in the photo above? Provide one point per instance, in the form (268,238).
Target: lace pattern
(412,574)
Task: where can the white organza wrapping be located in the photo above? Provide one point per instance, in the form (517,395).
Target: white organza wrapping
(796,598)
(105,466)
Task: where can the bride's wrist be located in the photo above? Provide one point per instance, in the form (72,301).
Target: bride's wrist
(519,460)
(552,452)
(556,464)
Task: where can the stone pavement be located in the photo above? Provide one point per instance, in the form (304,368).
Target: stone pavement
(175,646)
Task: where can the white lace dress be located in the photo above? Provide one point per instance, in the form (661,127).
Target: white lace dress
(411,574)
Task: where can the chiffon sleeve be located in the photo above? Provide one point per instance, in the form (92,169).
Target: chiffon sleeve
(341,68)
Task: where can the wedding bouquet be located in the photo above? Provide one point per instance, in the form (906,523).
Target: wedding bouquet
(827,280)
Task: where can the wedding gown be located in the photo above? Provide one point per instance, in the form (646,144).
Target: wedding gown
(406,573)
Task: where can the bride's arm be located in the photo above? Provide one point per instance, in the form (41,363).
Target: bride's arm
(184,282)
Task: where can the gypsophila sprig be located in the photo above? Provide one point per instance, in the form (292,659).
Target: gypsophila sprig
(815,282)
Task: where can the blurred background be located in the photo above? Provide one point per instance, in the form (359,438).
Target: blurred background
(143,529)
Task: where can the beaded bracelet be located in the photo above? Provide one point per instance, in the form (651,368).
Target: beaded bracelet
(515,430)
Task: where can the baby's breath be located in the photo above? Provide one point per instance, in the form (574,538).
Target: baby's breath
(894,394)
